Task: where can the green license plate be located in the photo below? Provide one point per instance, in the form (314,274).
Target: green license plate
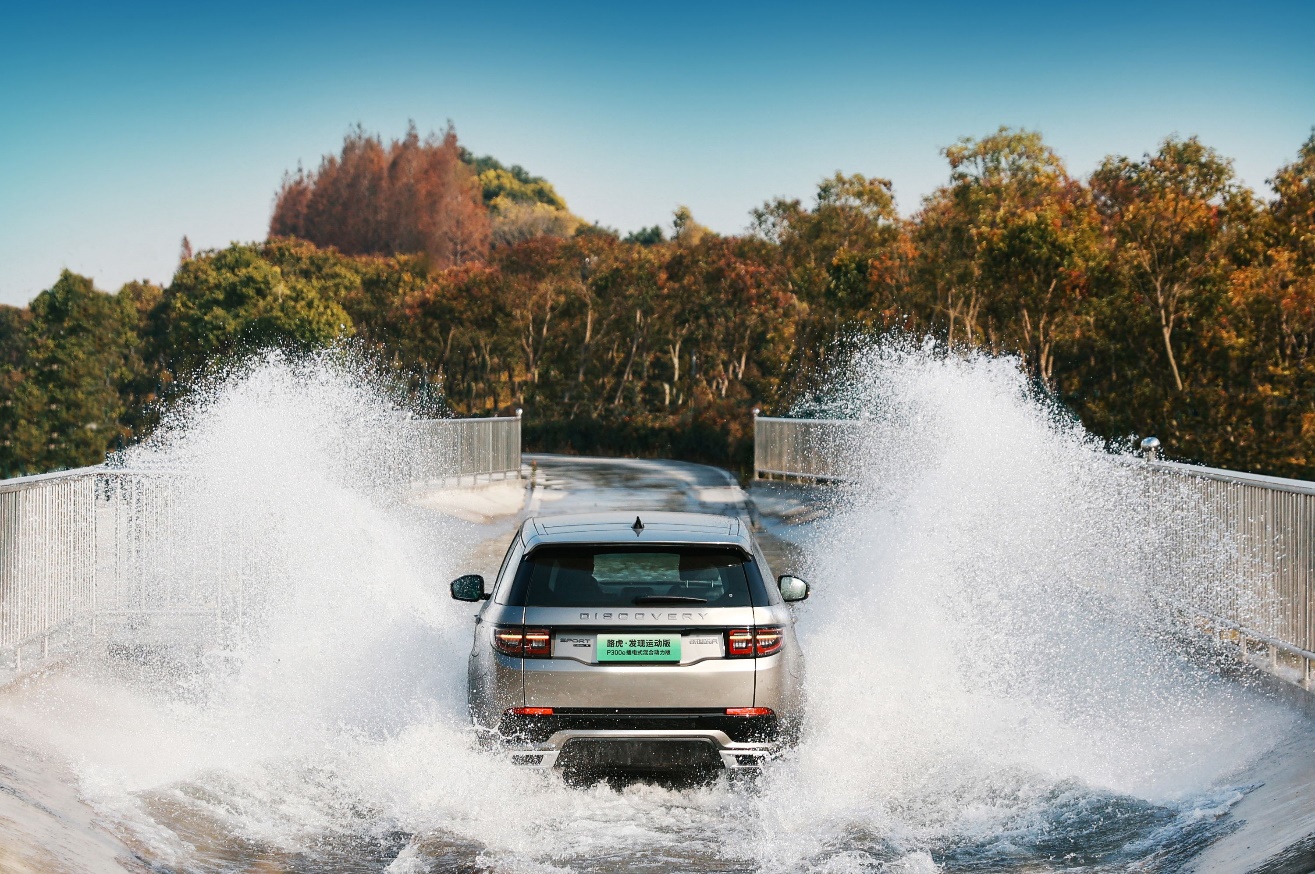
(638,648)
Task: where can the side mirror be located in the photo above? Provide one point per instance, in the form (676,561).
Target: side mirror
(468,588)
(793,588)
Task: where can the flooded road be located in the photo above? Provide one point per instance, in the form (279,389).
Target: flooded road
(987,691)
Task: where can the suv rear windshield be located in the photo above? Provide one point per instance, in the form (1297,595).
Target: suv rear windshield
(611,576)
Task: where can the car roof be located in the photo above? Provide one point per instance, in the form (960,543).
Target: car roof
(619,527)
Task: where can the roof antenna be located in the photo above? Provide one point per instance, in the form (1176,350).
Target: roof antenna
(638,526)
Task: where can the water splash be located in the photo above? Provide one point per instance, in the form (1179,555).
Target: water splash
(989,685)
(983,647)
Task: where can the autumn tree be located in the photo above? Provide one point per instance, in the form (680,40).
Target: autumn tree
(685,230)
(623,327)
(724,298)
(1292,213)
(411,196)
(842,260)
(826,250)
(946,286)
(454,327)
(1270,332)
(517,221)
(1158,297)
(1167,214)
(1005,249)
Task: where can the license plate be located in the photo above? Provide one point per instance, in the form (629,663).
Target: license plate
(638,648)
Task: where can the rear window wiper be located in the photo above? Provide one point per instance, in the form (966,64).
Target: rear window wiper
(669,599)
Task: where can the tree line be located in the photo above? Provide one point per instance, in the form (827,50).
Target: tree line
(1158,295)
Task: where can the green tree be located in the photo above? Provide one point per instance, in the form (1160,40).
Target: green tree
(14,323)
(841,262)
(243,299)
(80,352)
(513,183)
(650,236)
(826,250)
(521,206)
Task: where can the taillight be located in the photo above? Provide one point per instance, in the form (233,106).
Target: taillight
(748,711)
(516,640)
(508,640)
(748,642)
(768,640)
(538,643)
(739,642)
(542,711)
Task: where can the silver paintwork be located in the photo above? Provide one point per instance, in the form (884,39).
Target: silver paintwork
(703,529)
(572,678)
(562,682)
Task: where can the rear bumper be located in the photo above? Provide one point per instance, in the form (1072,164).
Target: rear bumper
(534,730)
(710,683)
(643,750)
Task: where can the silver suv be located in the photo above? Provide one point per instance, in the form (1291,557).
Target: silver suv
(650,642)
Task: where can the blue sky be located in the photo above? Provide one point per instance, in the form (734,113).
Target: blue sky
(122,128)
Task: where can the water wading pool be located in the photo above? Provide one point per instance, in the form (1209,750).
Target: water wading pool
(986,688)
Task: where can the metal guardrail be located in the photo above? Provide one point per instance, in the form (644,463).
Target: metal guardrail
(1234,550)
(806,449)
(465,447)
(47,553)
(1238,551)
(98,544)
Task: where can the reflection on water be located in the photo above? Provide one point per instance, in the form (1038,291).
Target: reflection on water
(989,690)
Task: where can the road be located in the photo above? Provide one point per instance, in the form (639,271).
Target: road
(571,484)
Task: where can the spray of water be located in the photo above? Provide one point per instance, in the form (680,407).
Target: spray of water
(983,647)
(989,684)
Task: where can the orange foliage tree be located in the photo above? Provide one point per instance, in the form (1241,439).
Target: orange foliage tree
(411,196)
